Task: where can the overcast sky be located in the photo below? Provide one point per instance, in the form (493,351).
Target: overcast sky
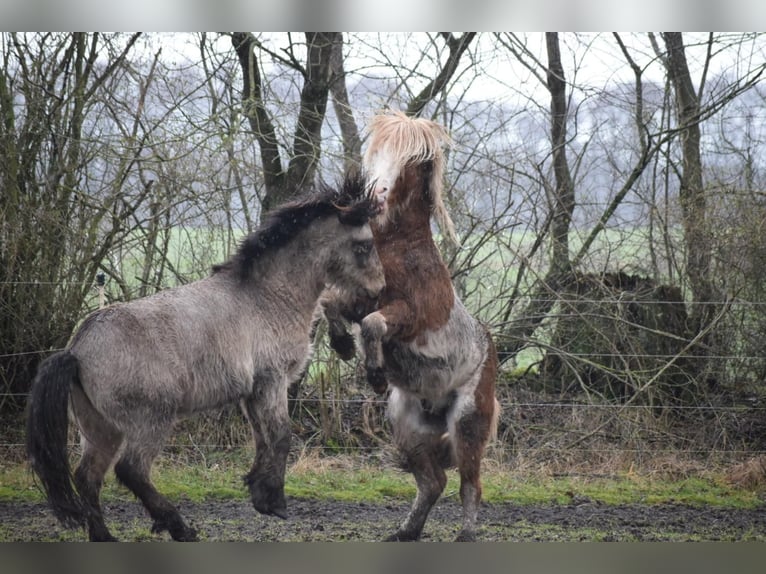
(402,15)
(592,61)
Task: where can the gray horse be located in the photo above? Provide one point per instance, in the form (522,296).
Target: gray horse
(241,334)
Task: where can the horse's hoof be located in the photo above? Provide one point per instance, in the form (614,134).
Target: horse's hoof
(178,532)
(105,538)
(344,346)
(188,535)
(280,512)
(267,496)
(278,509)
(400,536)
(377,379)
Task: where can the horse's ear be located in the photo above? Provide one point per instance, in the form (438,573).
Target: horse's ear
(355,183)
(355,187)
(355,202)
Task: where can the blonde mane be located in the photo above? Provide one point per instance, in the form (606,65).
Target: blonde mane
(414,140)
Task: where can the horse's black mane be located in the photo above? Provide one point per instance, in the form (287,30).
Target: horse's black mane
(351,201)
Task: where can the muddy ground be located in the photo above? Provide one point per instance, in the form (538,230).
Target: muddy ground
(311,520)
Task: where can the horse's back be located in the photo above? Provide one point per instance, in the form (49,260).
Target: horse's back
(163,352)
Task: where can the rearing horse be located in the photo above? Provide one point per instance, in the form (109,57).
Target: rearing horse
(438,360)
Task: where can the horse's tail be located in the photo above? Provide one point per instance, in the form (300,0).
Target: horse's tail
(47,429)
(494,421)
(493,366)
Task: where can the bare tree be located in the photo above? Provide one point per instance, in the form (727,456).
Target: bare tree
(283,182)
(562,202)
(457,46)
(58,221)
(141,168)
(692,193)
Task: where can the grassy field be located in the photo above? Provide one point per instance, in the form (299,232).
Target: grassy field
(338,498)
(346,479)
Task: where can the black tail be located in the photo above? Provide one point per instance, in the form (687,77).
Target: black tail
(47,426)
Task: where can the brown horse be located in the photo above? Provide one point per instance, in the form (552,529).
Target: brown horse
(438,360)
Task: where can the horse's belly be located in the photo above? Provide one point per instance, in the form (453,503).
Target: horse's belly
(427,374)
(211,391)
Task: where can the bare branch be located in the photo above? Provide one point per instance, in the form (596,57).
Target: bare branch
(456,48)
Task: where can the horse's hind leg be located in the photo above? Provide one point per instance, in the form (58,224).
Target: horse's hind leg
(469,447)
(100,441)
(424,451)
(133,471)
(430,479)
(89,478)
(469,434)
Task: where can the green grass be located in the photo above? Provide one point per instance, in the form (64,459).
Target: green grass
(326,479)
(499,487)
(365,484)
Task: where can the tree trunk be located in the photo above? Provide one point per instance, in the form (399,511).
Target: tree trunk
(563,197)
(307,142)
(255,111)
(562,207)
(352,143)
(692,198)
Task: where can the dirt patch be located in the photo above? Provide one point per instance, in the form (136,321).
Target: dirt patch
(313,520)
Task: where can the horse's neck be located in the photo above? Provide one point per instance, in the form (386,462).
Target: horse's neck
(407,235)
(416,275)
(292,278)
(410,223)
(395,242)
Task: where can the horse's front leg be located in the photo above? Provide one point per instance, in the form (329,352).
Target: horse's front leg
(377,327)
(341,341)
(267,413)
(373,330)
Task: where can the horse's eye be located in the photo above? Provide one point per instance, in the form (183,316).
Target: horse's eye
(362,248)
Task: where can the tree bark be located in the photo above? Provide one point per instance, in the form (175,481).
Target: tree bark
(563,197)
(691,194)
(255,111)
(307,142)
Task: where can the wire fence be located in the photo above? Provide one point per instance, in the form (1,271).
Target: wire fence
(535,426)
(568,437)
